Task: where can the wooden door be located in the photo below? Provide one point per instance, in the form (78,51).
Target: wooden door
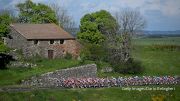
(50,54)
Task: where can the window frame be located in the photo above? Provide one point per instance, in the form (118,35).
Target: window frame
(10,37)
(51,42)
(36,42)
(61,41)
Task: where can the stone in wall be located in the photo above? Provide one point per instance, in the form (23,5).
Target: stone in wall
(17,64)
(107,69)
(54,79)
(30,49)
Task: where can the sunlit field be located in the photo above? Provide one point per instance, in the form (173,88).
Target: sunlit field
(155,61)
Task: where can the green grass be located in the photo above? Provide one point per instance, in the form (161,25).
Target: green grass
(12,76)
(155,62)
(158,62)
(98,94)
(150,41)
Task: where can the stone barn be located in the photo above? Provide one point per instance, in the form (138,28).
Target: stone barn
(46,40)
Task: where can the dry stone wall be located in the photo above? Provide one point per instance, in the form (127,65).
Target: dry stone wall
(52,79)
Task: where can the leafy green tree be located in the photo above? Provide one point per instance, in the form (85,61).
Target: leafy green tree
(36,13)
(90,33)
(5,20)
(106,22)
(95,26)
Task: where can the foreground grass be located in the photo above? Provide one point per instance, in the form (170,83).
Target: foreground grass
(97,94)
(155,62)
(13,76)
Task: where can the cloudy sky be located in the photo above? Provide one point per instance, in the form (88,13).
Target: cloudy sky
(160,14)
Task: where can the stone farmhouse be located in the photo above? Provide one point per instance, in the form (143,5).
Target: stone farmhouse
(46,40)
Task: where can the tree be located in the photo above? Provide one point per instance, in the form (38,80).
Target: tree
(95,26)
(5,20)
(107,24)
(36,13)
(66,21)
(90,33)
(119,45)
(131,21)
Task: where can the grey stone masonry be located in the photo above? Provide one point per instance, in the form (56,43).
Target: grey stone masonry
(30,48)
(50,79)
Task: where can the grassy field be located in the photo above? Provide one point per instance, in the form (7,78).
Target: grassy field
(98,94)
(155,62)
(161,41)
(158,62)
(12,76)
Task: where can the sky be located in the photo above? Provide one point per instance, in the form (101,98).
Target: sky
(161,15)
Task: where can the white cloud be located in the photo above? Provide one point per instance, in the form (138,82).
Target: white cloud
(166,7)
(171,7)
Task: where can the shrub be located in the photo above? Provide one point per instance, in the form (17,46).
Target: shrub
(68,56)
(94,52)
(4,60)
(84,54)
(3,48)
(98,52)
(35,59)
(129,67)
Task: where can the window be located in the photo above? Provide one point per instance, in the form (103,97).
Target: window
(51,41)
(61,41)
(10,37)
(35,42)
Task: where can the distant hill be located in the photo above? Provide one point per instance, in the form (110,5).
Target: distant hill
(161,33)
(145,33)
(157,34)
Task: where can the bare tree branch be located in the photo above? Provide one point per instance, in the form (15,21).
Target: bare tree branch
(63,18)
(130,21)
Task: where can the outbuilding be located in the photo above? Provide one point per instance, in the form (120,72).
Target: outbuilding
(46,40)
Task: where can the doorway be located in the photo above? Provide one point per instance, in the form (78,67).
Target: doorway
(50,54)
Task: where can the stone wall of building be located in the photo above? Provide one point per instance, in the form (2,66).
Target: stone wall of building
(59,50)
(15,40)
(51,78)
(30,49)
